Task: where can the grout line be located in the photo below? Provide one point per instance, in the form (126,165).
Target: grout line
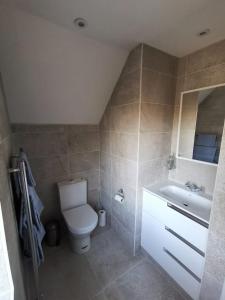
(138,151)
(125,104)
(156,103)
(200,70)
(160,72)
(120,276)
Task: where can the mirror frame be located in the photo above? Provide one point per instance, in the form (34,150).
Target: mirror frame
(179,124)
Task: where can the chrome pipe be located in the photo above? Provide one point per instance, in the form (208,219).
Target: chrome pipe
(26,199)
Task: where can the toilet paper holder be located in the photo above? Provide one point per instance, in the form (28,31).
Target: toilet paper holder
(119,196)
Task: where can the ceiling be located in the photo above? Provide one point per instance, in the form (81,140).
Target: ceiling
(170,25)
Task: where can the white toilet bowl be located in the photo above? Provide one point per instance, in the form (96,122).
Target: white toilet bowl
(80,221)
(79,216)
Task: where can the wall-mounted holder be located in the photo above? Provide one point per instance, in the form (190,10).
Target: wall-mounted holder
(119,196)
(171,162)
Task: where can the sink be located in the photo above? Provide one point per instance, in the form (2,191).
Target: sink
(196,203)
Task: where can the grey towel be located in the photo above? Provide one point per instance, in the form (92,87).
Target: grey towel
(36,209)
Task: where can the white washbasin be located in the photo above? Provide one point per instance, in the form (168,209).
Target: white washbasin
(198,204)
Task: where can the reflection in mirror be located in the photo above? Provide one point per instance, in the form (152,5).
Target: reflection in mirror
(201,124)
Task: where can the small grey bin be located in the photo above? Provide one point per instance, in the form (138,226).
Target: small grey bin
(52,233)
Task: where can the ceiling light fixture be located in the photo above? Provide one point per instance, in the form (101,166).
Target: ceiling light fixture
(80,23)
(204,32)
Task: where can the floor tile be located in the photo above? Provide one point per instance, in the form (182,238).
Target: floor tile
(109,257)
(68,275)
(142,282)
(107,272)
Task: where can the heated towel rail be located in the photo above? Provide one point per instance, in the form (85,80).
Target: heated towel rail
(21,170)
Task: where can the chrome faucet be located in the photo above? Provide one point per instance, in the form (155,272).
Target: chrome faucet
(193,187)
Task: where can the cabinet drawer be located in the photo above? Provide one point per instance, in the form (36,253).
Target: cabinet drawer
(187,228)
(185,252)
(154,206)
(181,275)
(152,236)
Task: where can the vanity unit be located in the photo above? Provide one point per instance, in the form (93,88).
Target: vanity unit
(175,232)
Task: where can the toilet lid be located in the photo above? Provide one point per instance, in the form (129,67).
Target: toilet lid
(81,220)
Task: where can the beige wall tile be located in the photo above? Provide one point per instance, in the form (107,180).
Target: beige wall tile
(133,62)
(81,141)
(157,87)
(83,161)
(152,171)
(181,66)
(123,216)
(211,288)
(156,118)
(179,88)
(127,89)
(123,233)
(105,182)
(159,61)
(92,176)
(4,122)
(105,162)
(207,57)
(125,170)
(129,193)
(105,141)
(207,77)
(202,174)
(215,262)
(106,202)
(124,145)
(217,219)
(105,121)
(154,145)
(48,192)
(37,128)
(119,146)
(45,168)
(40,144)
(94,199)
(125,118)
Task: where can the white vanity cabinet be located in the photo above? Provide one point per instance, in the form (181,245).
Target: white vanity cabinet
(176,240)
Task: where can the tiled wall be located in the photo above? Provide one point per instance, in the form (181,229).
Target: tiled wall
(156,120)
(11,232)
(135,136)
(215,255)
(60,152)
(201,69)
(119,148)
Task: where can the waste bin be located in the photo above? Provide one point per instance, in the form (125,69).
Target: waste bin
(52,233)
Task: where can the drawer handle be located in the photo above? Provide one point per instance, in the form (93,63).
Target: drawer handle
(182,265)
(186,214)
(185,241)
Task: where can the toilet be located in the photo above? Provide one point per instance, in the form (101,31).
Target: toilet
(79,216)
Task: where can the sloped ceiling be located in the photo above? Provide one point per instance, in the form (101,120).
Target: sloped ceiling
(169,25)
(54,75)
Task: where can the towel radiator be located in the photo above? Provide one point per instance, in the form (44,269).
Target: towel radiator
(22,171)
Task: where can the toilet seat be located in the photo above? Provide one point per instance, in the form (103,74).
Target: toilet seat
(81,220)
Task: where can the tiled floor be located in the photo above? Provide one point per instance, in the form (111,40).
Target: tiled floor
(106,272)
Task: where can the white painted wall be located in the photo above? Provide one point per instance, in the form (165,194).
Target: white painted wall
(6,282)
(54,75)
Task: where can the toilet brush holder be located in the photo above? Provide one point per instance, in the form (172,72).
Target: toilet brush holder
(102,218)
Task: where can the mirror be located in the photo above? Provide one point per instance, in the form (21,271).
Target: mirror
(201,124)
